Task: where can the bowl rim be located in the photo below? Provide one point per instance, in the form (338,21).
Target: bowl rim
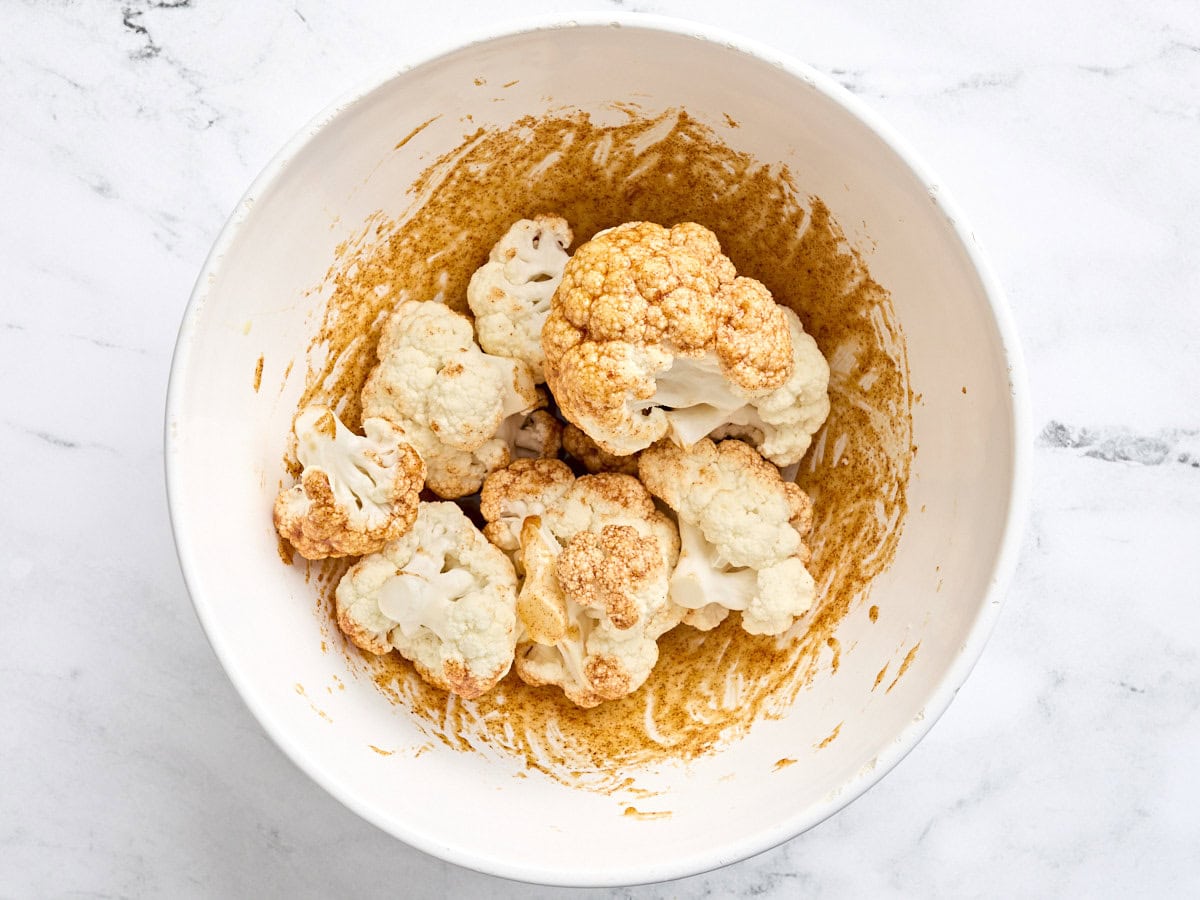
(773,834)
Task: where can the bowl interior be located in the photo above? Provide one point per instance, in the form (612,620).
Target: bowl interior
(241,365)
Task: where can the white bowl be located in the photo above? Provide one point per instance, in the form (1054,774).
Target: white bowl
(224,441)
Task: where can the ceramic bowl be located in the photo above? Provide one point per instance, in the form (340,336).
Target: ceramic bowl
(225,439)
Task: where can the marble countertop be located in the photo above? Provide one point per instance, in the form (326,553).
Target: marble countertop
(1068,130)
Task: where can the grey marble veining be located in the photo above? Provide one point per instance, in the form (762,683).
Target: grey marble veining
(1068,131)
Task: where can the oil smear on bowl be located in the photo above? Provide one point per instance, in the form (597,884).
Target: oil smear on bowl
(708,688)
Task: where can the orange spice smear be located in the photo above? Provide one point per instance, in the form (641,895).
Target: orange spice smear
(708,688)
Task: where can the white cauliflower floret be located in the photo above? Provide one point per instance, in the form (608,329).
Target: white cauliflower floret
(768,598)
(652,333)
(456,473)
(442,596)
(510,294)
(596,556)
(449,396)
(535,434)
(742,530)
(782,423)
(355,493)
(453,473)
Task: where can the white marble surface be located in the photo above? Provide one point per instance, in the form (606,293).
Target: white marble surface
(1070,133)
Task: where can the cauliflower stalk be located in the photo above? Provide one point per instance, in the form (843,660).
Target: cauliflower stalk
(442,596)
(450,398)
(355,493)
(510,294)
(742,530)
(652,334)
(596,557)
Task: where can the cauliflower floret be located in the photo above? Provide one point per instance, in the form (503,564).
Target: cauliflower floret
(594,663)
(442,596)
(355,493)
(652,333)
(782,423)
(742,529)
(449,396)
(452,473)
(511,495)
(510,294)
(535,434)
(596,556)
(538,434)
(592,456)
(767,598)
(431,371)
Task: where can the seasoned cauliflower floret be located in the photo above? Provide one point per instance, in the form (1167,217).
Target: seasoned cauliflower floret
(596,557)
(592,456)
(782,423)
(510,294)
(355,493)
(652,333)
(511,495)
(742,530)
(442,596)
(535,434)
(449,396)
(593,663)
(453,473)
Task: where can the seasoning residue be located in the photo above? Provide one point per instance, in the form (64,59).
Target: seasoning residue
(784,763)
(632,812)
(412,134)
(908,660)
(320,712)
(837,729)
(258,374)
(873,613)
(709,688)
(381,752)
(880,676)
(836,646)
